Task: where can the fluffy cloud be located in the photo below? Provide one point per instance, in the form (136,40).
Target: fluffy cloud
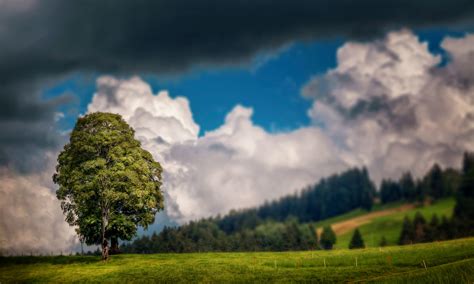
(393,106)
(237,165)
(241,165)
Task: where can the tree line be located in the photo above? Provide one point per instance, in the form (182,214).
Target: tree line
(331,196)
(273,226)
(435,184)
(461,224)
(285,224)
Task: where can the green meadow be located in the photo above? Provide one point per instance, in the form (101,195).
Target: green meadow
(449,261)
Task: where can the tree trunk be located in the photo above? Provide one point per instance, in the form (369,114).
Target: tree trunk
(105,250)
(105,247)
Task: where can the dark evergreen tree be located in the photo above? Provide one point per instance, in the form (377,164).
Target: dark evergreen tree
(446,229)
(452,180)
(408,187)
(419,225)
(435,182)
(432,230)
(383,242)
(464,210)
(407,234)
(390,191)
(421,190)
(356,241)
(328,238)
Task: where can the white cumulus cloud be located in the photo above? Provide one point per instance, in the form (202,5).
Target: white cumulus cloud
(393,106)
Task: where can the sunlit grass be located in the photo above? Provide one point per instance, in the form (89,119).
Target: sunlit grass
(451,261)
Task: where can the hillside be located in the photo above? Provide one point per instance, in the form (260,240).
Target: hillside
(449,261)
(345,201)
(382,221)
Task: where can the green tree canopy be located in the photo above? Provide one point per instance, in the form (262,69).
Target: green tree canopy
(108,185)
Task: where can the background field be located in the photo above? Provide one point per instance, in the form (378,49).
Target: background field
(451,261)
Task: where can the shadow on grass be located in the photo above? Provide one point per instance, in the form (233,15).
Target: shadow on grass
(14,260)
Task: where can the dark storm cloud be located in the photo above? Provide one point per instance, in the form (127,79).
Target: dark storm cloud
(139,36)
(49,38)
(26,126)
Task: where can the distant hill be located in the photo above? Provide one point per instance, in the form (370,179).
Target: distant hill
(383,221)
(291,222)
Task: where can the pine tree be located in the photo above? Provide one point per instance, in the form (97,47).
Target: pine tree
(328,238)
(390,191)
(464,210)
(436,183)
(356,241)
(407,234)
(432,229)
(445,229)
(408,186)
(419,225)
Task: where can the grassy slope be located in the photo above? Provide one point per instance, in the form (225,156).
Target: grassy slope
(388,226)
(451,261)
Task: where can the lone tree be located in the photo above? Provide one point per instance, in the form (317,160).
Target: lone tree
(108,185)
(328,238)
(356,241)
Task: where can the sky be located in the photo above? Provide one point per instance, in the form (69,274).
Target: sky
(240,101)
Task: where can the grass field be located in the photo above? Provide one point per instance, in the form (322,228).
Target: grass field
(451,261)
(387,225)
